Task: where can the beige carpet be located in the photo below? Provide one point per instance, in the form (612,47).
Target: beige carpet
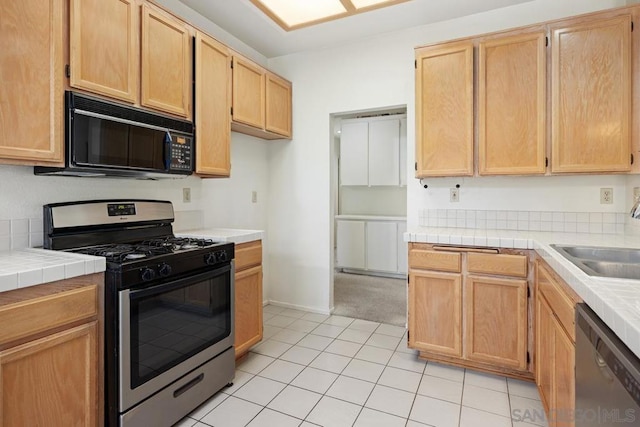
(378,299)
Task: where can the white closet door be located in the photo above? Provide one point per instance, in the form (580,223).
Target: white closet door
(402,249)
(384,152)
(350,244)
(354,149)
(382,246)
(403,151)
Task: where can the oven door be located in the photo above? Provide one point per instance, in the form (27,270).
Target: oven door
(169,329)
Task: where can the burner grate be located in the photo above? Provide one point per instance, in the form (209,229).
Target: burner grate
(179,243)
(122,253)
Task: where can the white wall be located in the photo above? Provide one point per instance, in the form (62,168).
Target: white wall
(374,73)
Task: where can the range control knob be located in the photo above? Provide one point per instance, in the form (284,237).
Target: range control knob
(165,270)
(222,255)
(148,274)
(210,258)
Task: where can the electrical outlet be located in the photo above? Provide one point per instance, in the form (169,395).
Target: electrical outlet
(254,197)
(186,195)
(454,195)
(606,196)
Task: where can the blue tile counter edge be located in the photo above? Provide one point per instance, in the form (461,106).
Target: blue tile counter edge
(234,235)
(29,267)
(615,301)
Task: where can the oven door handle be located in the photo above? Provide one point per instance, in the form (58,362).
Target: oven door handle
(180,283)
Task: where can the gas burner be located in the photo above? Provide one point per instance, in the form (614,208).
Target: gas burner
(179,243)
(125,252)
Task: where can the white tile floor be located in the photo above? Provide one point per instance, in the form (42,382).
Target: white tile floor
(335,371)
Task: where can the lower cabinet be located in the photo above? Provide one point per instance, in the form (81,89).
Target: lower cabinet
(248,296)
(470,309)
(371,245)
(51,354)
(555,347)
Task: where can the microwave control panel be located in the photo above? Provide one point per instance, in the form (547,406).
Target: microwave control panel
(181,154)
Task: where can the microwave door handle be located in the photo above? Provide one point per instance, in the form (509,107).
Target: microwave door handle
(167,150)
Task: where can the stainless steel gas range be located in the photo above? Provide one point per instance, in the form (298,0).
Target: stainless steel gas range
(169,328)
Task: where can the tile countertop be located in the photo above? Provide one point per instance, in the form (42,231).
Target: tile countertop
(224,234)
(372,217)
(616,301)
(28,267)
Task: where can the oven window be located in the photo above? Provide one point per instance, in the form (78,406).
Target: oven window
(169,327)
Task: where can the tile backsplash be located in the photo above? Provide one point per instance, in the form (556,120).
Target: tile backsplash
(571,222)
(20,233)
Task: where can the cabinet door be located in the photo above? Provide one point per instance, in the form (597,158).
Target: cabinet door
(278,108)
(104,47)
(444,110)
(248,93)
(512,105)
(564,378)
(545,341)
(165,63)
(248,309)
(591,96)
(350,244)
(435,312)
(403,152)
(402,248)
(382,246)
(354,153)
(53,379)
(496,320)
(31,92)
(384,152)
(213,106)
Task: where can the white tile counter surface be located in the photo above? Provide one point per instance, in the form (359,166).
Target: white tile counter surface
(372,217)
(28,267)
(234,235)
(616,301)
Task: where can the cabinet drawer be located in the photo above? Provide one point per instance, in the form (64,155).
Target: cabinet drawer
(248,254)
(561,304)
(435,260)
(499,264)
(23,319)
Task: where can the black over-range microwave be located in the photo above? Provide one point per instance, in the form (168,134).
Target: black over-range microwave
(110,139)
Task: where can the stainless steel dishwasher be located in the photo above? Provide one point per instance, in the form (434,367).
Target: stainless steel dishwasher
(607,375)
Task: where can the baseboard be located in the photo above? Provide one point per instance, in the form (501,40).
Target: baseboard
(375,273)
(316,310)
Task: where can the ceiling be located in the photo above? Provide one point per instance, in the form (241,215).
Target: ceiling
(245,21)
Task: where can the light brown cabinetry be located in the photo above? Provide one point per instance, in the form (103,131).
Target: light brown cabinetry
(131,51)
(444,110)
(51,354)
(104,53)
(555,346)
(591,96)
(31,91)
(470,308)
(248,296)
(261,101)
(213,106)
(512,105)
(165,62)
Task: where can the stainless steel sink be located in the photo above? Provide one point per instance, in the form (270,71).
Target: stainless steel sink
(623,263)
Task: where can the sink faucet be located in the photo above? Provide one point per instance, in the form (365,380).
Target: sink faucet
(635,210)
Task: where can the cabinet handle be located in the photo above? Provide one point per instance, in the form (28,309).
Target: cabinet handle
(465,249)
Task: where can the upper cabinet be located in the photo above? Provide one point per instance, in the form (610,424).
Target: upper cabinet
(444,110)
(212,107)
(104,51)
(131,52)
(31,91)
(591,96)
(587,113)
(511,105)
(165,63)
(370,151)
(261,101)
